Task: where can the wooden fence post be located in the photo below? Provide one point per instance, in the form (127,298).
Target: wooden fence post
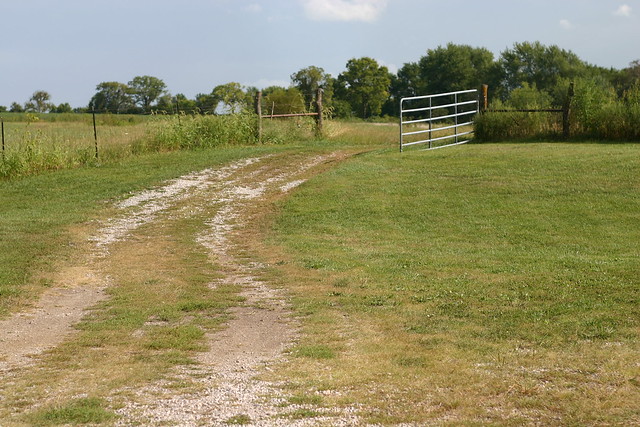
(566,113)
(2,121)
(485,98)
(319,123)
(95,133)
(259,113)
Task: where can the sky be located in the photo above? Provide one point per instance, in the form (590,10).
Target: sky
(67,47)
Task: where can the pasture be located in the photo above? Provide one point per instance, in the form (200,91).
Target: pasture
(486,283)
(492,283)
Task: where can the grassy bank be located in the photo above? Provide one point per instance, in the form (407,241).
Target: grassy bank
(488,283)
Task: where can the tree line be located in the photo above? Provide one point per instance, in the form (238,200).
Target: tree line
(527,73)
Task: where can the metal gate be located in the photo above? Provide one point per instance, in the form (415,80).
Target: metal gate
(444,117)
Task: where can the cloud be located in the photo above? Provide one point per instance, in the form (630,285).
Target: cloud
(623,10)
(566,24)
(344,10)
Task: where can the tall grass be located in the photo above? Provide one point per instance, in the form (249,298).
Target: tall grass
(184,132)
(597,112)
(38,146)
(35,144)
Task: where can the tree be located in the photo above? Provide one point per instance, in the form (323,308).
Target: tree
(63,108)
(184,104)
(407,82)
(165,104)
(146,90)
(206,103)
(309,80)
(279,100)
(365,85)
(404,84)
(539,66)
(231,95)
(39,102)
(628,77)
(16,108)
(113,97)
(3,109)
(452,68)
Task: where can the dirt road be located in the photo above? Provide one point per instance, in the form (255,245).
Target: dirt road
(260,329)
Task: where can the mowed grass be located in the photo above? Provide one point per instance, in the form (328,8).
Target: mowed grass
(479,284)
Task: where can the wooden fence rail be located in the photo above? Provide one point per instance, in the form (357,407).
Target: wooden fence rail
(318,114)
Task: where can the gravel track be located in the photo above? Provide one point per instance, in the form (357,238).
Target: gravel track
(256,337)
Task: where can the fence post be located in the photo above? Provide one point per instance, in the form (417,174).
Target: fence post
(455,109)
(2,121)
(485,98)
(259,113)
(95,133)
(566,113)
(319,111)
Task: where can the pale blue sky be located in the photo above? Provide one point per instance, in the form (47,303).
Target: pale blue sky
(67,47)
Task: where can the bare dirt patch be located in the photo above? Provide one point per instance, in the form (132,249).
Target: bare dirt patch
(29,333)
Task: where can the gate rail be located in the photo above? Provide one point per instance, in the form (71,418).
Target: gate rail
(438,108)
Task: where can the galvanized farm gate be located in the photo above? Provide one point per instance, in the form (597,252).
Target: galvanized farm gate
(443,117)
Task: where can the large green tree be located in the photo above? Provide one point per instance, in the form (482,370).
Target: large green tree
(539,66)
(364,85)
(308,80)
(16,108)
(454,67)
(206,103)
(113,97)
(232,97)
(146,90)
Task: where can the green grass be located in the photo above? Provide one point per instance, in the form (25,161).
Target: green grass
(482,283)
(77,411)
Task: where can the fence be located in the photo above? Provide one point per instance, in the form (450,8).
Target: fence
(317,114)
(95,135)
(565,110)
(436,110)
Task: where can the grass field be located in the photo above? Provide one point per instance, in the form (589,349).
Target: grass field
(486,283)
(481,284)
